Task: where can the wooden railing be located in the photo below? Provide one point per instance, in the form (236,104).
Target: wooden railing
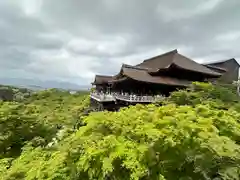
(125,97)
(135,98)
(102,97)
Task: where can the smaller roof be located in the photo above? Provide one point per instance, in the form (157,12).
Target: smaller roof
(102,79)
(221,61)
(216,68)
(117,80)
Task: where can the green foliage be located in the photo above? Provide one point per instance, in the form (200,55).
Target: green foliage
(58,108)
(142,142)
(5,164)
(38,119)
(37,163)
(203,93)
(148,142)
(17,127)
(10,93)
(195,135)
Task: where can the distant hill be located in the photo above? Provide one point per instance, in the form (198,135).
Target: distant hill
(41,85)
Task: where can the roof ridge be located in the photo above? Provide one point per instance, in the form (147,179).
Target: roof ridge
(103,75)
(133,67)
(173,59)
(167,53)
(215,67)
(189,58)
(221,61)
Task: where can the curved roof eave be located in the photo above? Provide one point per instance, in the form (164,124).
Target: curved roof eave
(143,76)
(211,73)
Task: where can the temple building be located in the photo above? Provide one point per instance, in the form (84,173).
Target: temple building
(152,80)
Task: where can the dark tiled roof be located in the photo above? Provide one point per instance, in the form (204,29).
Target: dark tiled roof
(140,74)
(216,68)
(117,80)
(142,71)
(101,79)
(144,76)
(165,61)
(158,62)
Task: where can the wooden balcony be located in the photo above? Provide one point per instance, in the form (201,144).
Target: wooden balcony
(102,97)
(138,99)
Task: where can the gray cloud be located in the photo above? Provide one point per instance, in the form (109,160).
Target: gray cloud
(75,39)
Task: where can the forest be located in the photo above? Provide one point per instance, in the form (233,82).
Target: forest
(194,134)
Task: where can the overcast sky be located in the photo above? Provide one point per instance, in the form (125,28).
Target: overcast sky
(73,40)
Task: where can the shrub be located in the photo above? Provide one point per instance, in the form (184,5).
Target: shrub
(201,93)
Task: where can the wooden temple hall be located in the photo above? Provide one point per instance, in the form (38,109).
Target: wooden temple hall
(151,80)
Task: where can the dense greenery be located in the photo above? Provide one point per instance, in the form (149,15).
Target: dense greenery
(193,134)
(10,93)
(38,118)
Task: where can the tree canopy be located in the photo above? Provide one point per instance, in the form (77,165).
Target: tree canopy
(193,134)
